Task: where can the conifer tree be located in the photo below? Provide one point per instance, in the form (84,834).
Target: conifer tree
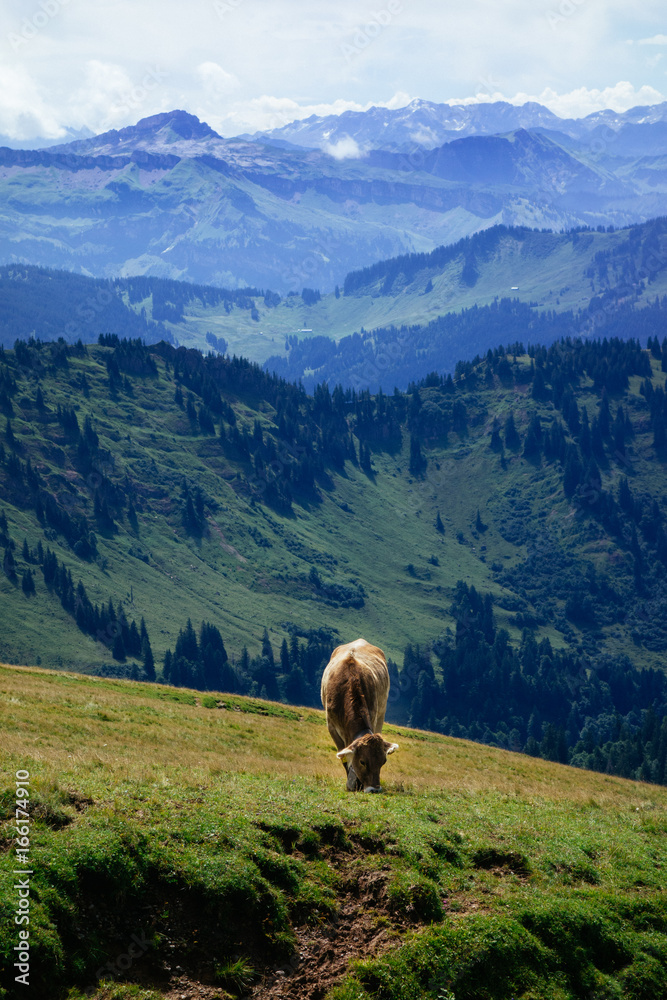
(496,440)
(417,460)
(118,648)
(573,471)
(284,657)
(512,439)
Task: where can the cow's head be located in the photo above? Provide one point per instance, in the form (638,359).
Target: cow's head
(364,758)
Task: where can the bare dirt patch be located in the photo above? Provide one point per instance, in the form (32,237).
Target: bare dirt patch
(363,927)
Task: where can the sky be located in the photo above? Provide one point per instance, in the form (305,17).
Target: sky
(247,65)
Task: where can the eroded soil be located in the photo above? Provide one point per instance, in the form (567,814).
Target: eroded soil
(364,927)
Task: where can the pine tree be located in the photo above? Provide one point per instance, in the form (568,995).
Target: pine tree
(132,515)
(573,471)
(540,391)
(417,460)
(585,434)
(604,415)
(149,662)
(9,565)
(597,440)
(186,644)
(294,651)
(512,439)
(284,657)
(496,440)
(439,526)
(531,448)
(267,649)
(118,648)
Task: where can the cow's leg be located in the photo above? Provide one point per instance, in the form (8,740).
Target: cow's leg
(336,737)
(338,740)
(352,782)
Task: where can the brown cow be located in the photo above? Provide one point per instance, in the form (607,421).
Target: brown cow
(355,686)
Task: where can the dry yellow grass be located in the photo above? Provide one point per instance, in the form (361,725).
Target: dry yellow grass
(134,729)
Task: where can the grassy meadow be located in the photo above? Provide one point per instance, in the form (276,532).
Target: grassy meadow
(544,269)
(215,831)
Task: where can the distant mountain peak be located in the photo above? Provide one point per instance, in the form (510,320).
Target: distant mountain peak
(184,124)
(156,132)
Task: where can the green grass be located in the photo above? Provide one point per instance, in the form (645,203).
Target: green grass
(224,839)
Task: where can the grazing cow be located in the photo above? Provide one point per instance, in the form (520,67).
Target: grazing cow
(355,686)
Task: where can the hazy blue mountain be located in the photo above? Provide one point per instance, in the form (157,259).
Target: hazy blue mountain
(41,142)
(155,133)
(424,124)
(171,198)
(421,124)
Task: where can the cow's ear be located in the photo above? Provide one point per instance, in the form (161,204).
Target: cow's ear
(346,755)
(390,747)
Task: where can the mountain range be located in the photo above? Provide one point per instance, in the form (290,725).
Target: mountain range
(387,324)
(428,125)
(169,197)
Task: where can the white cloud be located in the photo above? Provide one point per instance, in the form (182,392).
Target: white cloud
(584,101)
(345,149)
(425,136)
(104,98)
(24,114)
(399,100)
(261,114)
(88,63)
(217,82)
(580,102)
(655,40)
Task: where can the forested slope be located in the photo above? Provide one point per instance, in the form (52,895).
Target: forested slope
(500,534)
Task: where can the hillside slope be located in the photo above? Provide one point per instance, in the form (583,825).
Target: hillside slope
(573,283)
(502,537)
(204,844)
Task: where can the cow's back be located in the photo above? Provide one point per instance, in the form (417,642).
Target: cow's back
(355,687)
